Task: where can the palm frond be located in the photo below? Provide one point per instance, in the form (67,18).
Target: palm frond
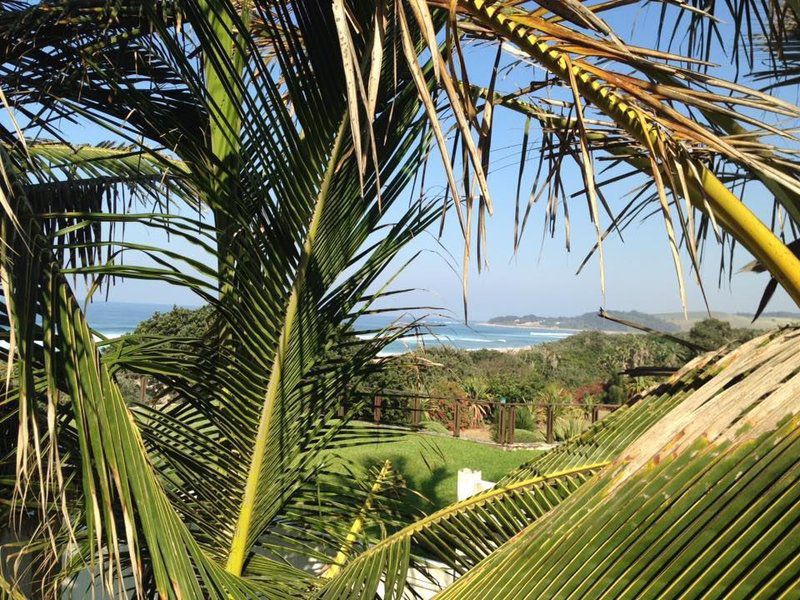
(701,504)
(219,474)
(449,535)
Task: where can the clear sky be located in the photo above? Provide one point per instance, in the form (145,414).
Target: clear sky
(541,277)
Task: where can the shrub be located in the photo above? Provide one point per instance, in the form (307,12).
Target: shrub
(525,419)
(526,436)
(588,394)
(568,427)
(179,322)
(615,392)
(476,387)
(711,333)
(556,396)
(443,411)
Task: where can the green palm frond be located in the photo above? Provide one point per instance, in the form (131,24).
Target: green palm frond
(260,171)
(107,442)
(80,192)
(703,504)
(450,535)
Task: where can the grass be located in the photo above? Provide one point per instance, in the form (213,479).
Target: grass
(430,463)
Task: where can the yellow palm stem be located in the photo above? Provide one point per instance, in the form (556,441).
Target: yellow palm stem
(241,537)
(358,524)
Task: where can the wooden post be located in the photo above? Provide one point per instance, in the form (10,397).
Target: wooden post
(416,417)
(142,389)
(340,410)
(502,436)
(457,420)
(376,409)
(512,418)
(500,426)
(595,413)
(550,420)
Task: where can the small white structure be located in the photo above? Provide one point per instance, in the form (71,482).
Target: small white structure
(471,482)
(439,575)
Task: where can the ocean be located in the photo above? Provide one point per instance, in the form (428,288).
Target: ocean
(113,319)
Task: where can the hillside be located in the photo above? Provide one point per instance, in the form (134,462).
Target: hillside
(589,321)
(741,320)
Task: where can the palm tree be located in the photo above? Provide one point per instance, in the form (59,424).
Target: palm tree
(275,137)
(234,135)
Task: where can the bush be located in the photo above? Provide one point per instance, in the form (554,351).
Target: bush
(556,396)
(615,392)
(179,322)
(568,427)
(588,357)
(525,419)
(713,333)
(443,411)
(526,436)
(589,393)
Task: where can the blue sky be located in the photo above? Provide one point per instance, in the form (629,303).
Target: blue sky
(541,277)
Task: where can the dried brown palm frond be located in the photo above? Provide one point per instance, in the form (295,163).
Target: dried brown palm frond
(781,49)
(693,133)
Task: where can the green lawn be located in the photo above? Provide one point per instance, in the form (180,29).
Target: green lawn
(430,463)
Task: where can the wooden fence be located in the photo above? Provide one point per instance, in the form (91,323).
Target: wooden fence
(503,412)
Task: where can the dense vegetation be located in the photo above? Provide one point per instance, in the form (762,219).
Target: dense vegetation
(589,321)
(179,322)
(573,373)
(583,363)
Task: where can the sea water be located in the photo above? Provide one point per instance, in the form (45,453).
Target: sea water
(113,319)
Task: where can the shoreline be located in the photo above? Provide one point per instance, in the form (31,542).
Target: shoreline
(556,328)
(531,326)
(505,350)
(555,334)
